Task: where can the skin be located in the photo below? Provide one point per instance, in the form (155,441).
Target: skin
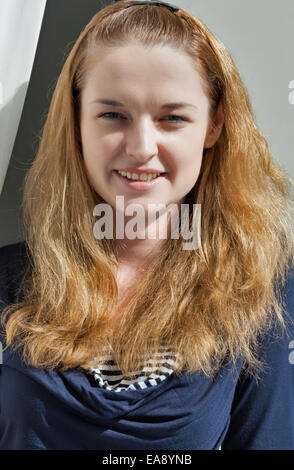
(143,134)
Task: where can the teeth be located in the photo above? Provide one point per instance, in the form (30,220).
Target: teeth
(141,177)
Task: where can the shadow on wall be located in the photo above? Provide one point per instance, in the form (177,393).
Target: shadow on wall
(12,171)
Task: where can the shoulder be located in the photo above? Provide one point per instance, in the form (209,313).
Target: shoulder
(274,344)
(13,262)
(12,252)
(286,300)
(288,292)
(262,415)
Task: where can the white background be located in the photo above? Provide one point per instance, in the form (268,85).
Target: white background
(20,23)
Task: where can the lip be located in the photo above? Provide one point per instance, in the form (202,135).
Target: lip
(140,171)
(140,185)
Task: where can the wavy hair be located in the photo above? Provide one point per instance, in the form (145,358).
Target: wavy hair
(208,305)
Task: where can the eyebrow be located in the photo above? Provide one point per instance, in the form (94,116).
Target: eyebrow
(164,106)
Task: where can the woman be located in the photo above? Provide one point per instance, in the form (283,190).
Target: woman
(137,343)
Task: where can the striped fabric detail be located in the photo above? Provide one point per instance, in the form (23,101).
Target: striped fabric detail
(110,377)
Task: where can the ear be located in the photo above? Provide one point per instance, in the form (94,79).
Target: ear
(215,129)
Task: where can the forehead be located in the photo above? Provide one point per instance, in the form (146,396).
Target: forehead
(134,67)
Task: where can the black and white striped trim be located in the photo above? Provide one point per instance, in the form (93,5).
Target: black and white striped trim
(110,377)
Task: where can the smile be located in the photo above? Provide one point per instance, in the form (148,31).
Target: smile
(138,177)
(140,182)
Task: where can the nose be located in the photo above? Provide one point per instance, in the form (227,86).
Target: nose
(141,140)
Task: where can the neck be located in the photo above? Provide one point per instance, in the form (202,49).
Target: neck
(150,241)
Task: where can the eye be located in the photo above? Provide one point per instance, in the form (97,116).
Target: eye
(175,118)
(111,115)
(114,116)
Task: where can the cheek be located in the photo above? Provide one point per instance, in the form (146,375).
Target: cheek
(187,163)
(190,170)
(95,152)
(96,145)
(189,157)
(89,138)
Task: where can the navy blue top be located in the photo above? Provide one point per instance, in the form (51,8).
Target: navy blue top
(49,409)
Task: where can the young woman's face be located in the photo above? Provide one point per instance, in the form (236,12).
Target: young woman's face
(128,122)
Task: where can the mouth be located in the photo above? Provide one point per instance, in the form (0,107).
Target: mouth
(145,177)
(138,183)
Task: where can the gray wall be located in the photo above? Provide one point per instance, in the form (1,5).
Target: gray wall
(258,34)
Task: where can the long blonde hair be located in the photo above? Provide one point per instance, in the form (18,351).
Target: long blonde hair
(208,305)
